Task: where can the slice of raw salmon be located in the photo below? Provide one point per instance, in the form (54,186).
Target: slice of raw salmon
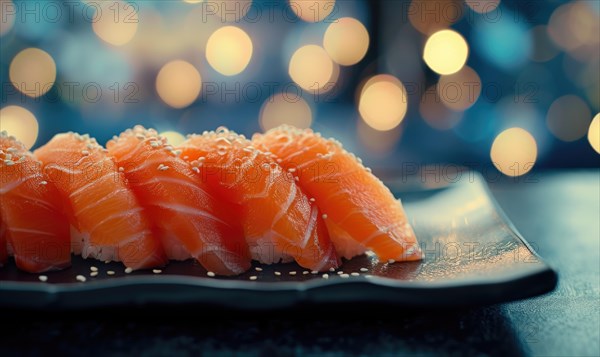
(32,223)
(278,219)
(361,211)
(108,222)
(190,221)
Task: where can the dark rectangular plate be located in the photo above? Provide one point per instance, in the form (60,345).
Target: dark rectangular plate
(473,255)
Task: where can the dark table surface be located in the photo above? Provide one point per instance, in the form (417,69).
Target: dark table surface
(557,212)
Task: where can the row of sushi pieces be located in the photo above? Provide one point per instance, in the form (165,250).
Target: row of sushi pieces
(219,198)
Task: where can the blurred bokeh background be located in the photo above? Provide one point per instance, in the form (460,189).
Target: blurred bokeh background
(497,85)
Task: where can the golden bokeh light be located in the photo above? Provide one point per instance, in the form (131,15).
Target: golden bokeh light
(285,108)
(7,16)
(429,16)
(178,84)
(482,6)
(459,91)
(173,137)
(375,141)
(346,41)
(594,133)
(514,152)
(33,72)
(574,25)
(435,112)
(568,118)
(229,50)
(311,68)
(383,102)
(20,123)
(118,22)
(446,52)
(312,10)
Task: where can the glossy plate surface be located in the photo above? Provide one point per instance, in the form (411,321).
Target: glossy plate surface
(473,255)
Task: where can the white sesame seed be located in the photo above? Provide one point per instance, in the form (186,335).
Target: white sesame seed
(9,162)
(85,152)
(106,261)
(324,216)
(110,272)
(305,272)
(253,277)
(128,270)
(312,199)
(314,272)
(93,268)
(364,269)
(44,183)
(292,273)
(211,274)
(43,278)
(277,273)
(156,271)
(340,272)
(391,261)
(292,170)
(325,276)
(121,169)
(345,276)
(196,170)
(186,157)
(332,269)
(80,278)
(368,276)
(354,274)
(93,274)
(258,269)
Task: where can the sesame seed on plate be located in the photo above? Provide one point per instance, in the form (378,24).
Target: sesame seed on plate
(292,273)
(368,276)
(93,274)
(93,268)
(253,277)
(364,269)
(314,272)
(211,274)
(332,269)
(156,271)
(110,272)
(340,272)
(305,272)
(128,270)
(391,261)
(258,269)
(43,278)
(80,278)
(277,273)
(344,276)
(325,276)
(354,274)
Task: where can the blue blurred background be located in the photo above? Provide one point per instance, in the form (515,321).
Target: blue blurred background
(492,84)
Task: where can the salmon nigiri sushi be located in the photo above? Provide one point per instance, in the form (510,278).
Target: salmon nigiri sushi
(32,223)
(279,220)
(108,222)
(362,214)
(189,219)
